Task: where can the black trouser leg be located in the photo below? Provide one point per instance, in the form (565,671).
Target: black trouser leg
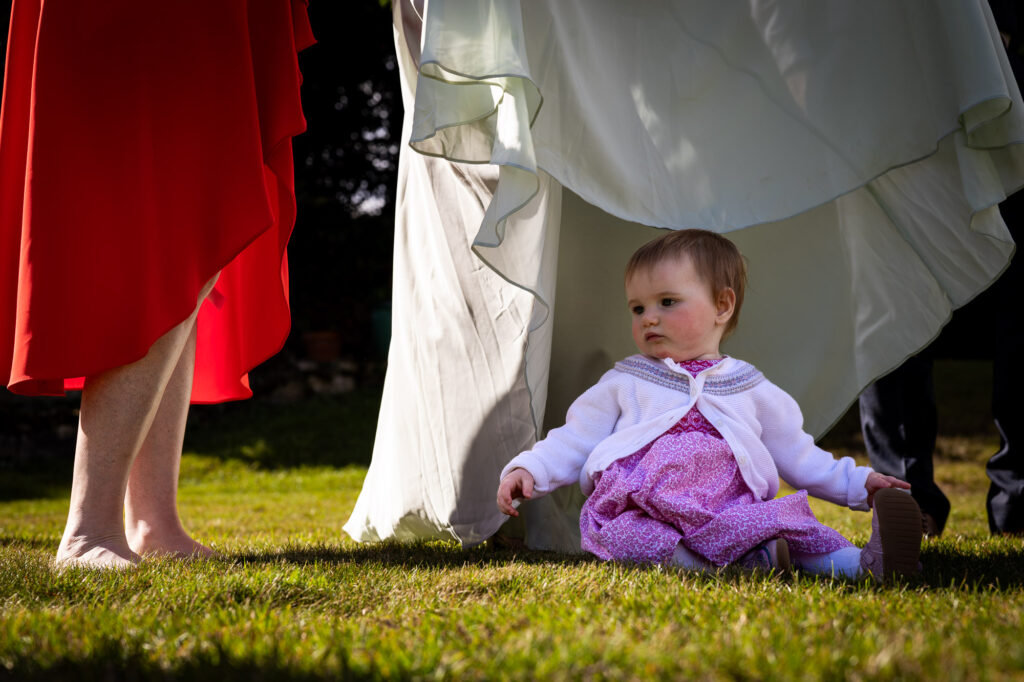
(1006,468)
(899,422)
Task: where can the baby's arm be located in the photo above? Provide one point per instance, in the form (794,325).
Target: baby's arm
(558,459)
(803,464)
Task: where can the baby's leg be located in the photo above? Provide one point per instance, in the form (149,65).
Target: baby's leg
(631,536)
(772,555)
(842,563)
(635,536)
(894,547)
(692,561)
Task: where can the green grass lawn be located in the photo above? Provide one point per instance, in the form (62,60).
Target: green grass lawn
(270,487)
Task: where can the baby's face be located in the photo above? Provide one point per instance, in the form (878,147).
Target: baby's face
(674,313)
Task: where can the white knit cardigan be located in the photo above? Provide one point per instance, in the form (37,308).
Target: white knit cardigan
(641,398)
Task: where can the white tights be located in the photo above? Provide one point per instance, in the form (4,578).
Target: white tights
(842,563)
(684,558)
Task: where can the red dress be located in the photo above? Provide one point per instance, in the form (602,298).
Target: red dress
(145,146)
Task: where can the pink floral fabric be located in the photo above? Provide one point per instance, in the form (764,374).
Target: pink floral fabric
(685,486)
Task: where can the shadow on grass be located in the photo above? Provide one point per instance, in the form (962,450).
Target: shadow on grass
(423,554)
(109,665)
(989,568)
(990,565)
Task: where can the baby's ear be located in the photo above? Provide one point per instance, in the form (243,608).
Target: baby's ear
(725,304)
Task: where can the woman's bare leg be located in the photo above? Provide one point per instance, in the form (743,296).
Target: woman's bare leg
(151,517)
(118,409)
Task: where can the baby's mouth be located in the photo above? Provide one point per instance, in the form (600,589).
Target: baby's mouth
(651,336)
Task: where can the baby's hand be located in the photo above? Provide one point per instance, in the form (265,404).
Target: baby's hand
(877,481)
(517,483)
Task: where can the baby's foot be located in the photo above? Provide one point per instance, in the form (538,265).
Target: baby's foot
(772,555)
(101,553)
(895,544)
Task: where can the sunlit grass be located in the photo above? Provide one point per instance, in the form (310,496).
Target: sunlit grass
(293,598)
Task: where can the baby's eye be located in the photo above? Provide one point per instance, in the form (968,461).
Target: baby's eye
(637,310)
(668,302)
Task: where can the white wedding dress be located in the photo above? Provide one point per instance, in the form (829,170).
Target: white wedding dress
(855,152)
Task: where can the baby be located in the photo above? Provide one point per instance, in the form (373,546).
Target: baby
(680,449)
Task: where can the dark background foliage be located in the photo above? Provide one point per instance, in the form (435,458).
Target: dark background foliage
(345,167)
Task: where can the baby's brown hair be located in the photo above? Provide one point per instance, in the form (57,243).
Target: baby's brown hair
(716,260)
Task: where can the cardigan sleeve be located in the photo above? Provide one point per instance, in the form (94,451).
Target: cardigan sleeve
(558,459)
(800,462)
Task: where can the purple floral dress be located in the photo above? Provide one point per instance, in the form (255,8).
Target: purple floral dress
(685,486)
